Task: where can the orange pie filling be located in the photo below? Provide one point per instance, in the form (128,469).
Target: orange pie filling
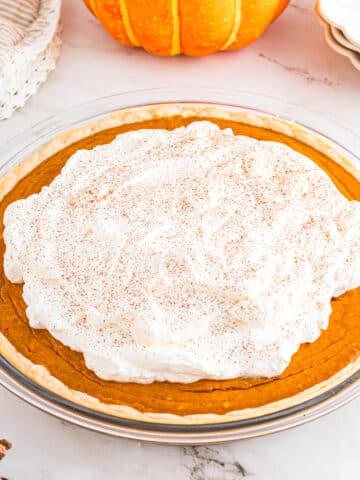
(314,363)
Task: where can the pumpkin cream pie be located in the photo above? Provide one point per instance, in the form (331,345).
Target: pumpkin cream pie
(182,264)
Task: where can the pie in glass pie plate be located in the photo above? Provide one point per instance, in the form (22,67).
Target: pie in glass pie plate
(183,405)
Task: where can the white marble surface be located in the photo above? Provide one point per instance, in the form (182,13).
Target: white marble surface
(292,62)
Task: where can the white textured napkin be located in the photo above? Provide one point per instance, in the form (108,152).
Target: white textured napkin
(29,47)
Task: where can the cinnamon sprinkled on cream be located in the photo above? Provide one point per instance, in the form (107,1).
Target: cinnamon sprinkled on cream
(184,255)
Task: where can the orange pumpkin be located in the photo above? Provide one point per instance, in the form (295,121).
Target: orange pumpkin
(192,27)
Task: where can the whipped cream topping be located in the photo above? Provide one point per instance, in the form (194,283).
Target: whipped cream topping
(184,255)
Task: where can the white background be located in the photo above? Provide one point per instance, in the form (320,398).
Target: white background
(291,62)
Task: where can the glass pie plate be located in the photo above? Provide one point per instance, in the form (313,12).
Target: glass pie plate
(338,393)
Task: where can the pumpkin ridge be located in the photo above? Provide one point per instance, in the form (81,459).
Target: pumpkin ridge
(192,27)
(175,47)
(92,5)
(127,25)
(236,26)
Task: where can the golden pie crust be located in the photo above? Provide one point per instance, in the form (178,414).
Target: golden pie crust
(316,368)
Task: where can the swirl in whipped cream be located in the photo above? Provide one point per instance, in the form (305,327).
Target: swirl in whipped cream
(184,255)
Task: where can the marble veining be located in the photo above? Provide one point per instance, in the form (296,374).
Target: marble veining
(209,463)
(302,72)
(292,62)
(301,8)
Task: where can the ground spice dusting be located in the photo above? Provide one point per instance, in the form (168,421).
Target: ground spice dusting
(336,347)
(230,286)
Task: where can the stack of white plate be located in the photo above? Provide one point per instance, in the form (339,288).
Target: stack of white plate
(29,48)
(341,23)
